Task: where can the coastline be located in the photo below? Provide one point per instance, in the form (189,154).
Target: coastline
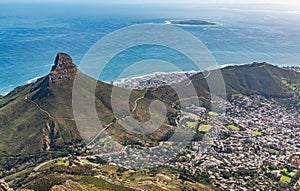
(155,79)
(120,82)
(4,93)
(155,74)
(33,80)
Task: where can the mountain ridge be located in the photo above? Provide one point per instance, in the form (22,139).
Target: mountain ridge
(43,109)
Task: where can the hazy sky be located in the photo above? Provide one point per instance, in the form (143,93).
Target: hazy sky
(290,2)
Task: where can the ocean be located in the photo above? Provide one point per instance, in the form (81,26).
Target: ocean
(32,35)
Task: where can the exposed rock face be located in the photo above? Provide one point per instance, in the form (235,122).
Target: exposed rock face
(63,68)
(4,186)
(50,136)
(68,186)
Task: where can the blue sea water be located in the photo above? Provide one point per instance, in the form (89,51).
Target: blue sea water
(32,35)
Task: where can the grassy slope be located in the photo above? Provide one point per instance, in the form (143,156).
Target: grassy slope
(262,79)
(85,176)
(22,124)
(18,132)
(258,78)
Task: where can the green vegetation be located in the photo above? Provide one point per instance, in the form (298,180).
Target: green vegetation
(93,183)
(273,151)
(62,162)
(191,124)
(284,170)
(84,176)
(285,179)
(47,166)
(256,133)
(257,78)
(38,117)
(204,128)
(43,107)
(113,138)
(289,85)
(233,127)
(211,113)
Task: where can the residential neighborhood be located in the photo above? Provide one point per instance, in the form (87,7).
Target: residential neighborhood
(254,145)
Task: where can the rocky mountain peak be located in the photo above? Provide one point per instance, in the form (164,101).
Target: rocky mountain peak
(63,68)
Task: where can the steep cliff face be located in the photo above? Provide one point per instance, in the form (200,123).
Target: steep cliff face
(63,68)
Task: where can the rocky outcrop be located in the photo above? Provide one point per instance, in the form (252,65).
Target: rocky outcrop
(68,186)
(50,135)
(63,68)
(46,139)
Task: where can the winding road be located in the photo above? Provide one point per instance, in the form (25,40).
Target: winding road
(136,104)
(109,125)
(51,116)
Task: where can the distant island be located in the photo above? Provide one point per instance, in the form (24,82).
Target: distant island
(190,22)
